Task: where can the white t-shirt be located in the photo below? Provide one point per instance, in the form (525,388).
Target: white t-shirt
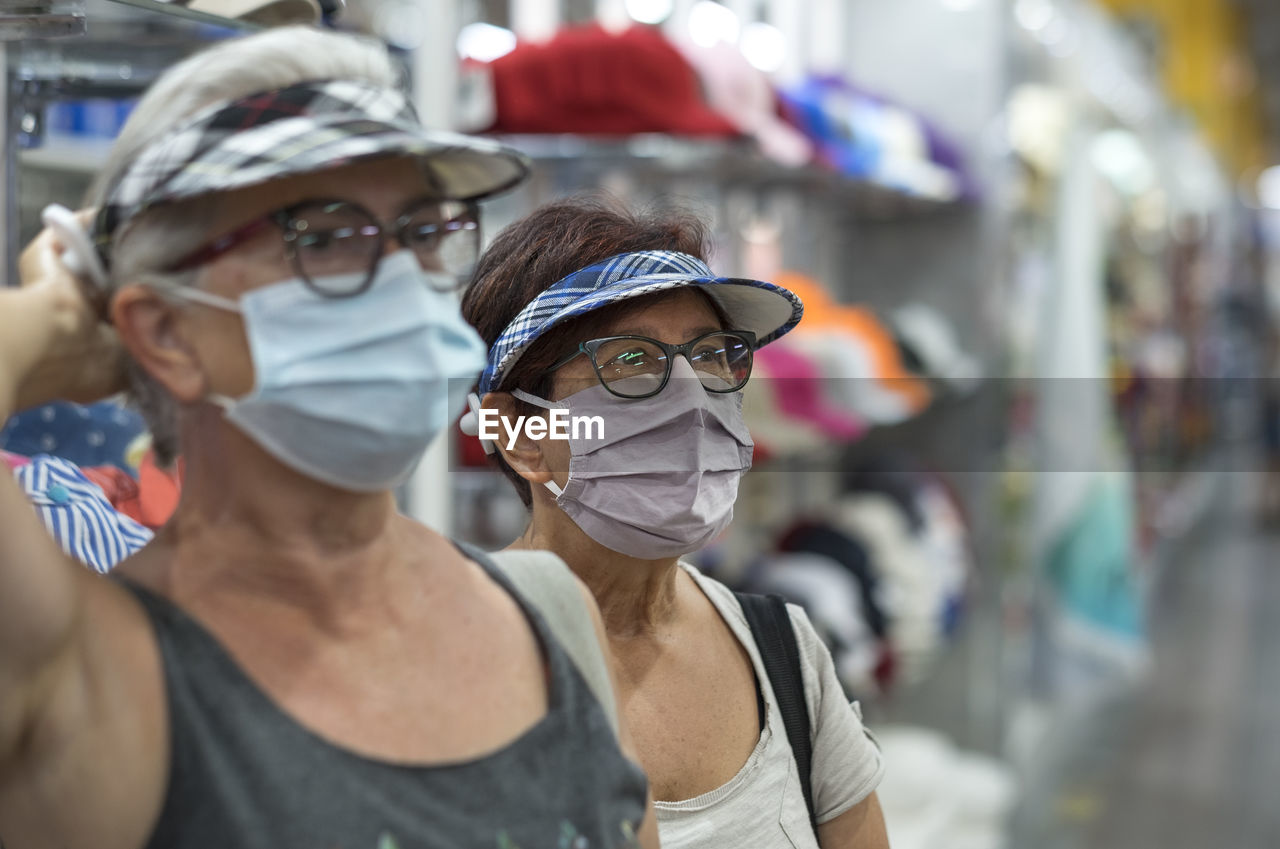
(763,806)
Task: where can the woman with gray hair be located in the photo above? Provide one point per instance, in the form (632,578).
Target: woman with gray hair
(290,662)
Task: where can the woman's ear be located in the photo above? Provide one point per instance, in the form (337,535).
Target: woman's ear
(525,455)
(148,326)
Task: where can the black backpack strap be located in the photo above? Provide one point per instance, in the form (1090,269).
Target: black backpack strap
(771,627)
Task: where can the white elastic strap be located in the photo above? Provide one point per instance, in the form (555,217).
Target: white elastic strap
(535,400)
(470,423)
(546,405)
(200,296)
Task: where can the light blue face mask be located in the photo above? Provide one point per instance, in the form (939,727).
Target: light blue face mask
(351,391)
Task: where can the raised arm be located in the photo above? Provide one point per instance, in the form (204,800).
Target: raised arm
(40,324)
(78,687)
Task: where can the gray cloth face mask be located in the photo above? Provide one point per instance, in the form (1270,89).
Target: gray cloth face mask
(663,479)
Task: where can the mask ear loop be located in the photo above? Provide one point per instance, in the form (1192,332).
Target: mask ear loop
(552,486)
(470,423)
(199,296)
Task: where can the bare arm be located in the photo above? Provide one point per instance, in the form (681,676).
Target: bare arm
(860,827)
(79,693)
(39,592)
(648,834)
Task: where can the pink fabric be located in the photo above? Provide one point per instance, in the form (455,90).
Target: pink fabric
(797,385)
(13,461)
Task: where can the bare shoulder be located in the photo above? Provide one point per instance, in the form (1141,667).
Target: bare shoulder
(100,738)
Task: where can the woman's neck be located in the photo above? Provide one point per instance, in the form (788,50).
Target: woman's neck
(636,597)
(247,525)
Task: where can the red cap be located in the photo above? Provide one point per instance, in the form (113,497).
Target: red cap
(591,81)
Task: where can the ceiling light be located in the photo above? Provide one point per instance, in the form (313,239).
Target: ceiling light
(765,46)
(485,42)
(650,11)
(711,23)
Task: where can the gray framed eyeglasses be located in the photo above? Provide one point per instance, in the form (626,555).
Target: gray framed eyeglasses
(335,245)
(639,366)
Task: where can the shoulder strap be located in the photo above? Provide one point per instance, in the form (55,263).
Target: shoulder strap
(776,638)
(545,582)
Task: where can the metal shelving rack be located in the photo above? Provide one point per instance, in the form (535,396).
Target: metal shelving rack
(109,49)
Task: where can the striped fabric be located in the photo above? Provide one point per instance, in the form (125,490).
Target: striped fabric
(78,514)
(618,278)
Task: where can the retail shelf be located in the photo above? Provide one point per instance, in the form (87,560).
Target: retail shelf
(127,43)
(81,157)
(176,11)
(659,156)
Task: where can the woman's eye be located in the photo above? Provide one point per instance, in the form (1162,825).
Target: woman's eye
(709,354)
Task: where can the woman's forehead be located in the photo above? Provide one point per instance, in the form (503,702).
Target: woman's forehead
(383,186)
(676,312)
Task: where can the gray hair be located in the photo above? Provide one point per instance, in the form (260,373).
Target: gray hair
(152,242)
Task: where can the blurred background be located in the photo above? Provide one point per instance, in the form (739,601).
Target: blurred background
(1021,461)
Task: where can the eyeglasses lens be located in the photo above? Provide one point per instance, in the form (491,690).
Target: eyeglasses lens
(631,367)
(445,238)
(635,368)
(722,361)
(338,245)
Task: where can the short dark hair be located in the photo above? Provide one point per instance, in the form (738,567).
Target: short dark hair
(550,243)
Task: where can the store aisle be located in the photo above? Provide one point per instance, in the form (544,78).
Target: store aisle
(1198,763)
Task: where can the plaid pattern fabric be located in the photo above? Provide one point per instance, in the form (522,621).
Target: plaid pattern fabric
(617,278)
(294,130)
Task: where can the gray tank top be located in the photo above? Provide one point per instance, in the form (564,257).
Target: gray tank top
(243,774)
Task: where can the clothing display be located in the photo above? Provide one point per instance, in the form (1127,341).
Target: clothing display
(763,804)
(927,339)
(583,80)
(744,95)
(858,356)
(861,135)
(796,386)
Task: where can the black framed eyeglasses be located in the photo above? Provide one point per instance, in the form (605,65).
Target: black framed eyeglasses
(639,367)
(335,245)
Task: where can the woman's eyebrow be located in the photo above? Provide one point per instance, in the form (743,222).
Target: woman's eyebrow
(656,333)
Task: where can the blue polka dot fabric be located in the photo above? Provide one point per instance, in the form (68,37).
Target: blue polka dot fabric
(94,435)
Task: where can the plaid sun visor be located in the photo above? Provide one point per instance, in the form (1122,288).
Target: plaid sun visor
(766,309)
(297,130)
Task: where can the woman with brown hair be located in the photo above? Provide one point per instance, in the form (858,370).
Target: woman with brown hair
(612,323)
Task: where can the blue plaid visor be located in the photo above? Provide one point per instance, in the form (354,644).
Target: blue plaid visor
(765,309)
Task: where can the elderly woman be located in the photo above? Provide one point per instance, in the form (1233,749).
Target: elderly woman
(616,320)
(290,663)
